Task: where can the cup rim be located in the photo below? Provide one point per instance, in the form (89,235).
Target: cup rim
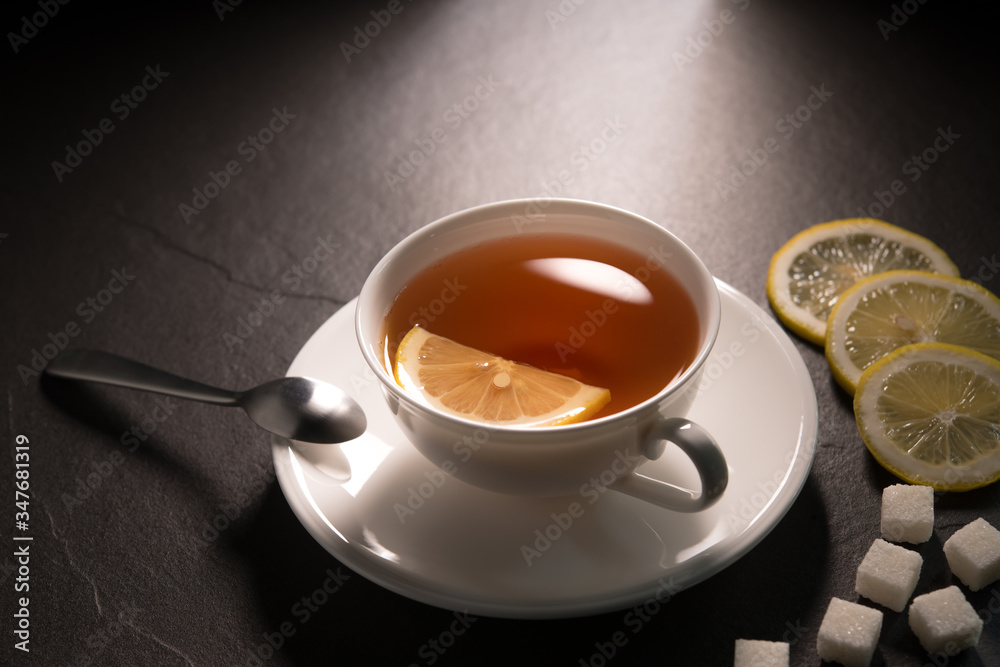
(714,312)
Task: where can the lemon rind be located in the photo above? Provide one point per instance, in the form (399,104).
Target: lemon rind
(877,372)
(846,373)
(596,397)
(805,324)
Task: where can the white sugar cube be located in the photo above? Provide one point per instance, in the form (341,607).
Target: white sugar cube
(907,513)
(944,621)
(973,554)
(888,574)
(758,653)
(849,633)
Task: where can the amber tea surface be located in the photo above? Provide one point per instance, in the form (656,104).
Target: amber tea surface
(602,314)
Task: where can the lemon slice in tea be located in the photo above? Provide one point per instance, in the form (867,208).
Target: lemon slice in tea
(816,266)
(898,308)
(469,383)
(930,414)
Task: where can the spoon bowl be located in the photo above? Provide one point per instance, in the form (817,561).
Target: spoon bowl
(304,409)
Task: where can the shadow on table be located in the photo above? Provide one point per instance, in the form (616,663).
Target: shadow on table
(89,405)
(318,611)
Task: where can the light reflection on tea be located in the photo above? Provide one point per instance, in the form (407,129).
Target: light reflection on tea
(597,312)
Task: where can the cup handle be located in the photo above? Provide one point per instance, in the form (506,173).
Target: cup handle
(703,451)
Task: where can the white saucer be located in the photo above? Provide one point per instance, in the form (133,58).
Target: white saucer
(466,549)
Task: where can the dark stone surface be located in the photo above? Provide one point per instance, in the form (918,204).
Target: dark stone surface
(125,576)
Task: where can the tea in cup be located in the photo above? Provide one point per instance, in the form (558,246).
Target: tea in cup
(576,289)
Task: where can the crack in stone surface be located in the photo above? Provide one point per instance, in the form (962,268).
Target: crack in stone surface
(169,647)
(69,557)
(97,600)
(167,242)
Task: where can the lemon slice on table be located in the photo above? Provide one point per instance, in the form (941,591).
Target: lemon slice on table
(898,308)
(465,382)
(816,266)
(930,414)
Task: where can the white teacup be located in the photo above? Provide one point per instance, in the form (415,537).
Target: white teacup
(554,460)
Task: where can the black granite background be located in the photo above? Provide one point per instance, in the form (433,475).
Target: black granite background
(102,254)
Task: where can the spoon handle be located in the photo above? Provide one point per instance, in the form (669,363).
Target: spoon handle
(106,368)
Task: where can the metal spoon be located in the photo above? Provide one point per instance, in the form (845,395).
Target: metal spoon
(292,407)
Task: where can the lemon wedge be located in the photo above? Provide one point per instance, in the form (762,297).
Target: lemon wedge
(468,383)
(898,308)
(930,414)
(816,266)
